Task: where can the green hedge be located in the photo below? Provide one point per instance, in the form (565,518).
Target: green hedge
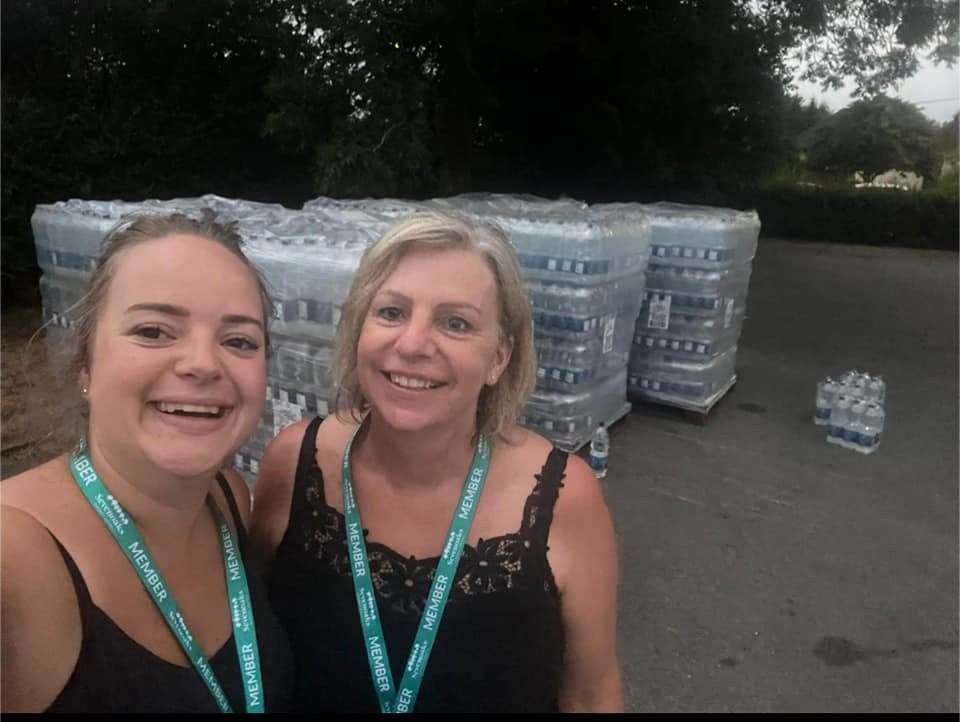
(876,217)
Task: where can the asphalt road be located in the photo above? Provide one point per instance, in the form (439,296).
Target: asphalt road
(763,569)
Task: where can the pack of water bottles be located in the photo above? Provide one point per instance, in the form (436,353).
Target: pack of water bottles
(583,268)
(307,259)
(852,407)
(694,302)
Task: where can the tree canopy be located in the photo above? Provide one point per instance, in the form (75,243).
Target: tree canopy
(283,99)
(874,136)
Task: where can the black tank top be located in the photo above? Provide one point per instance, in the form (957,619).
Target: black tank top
(116,674)
(499,647)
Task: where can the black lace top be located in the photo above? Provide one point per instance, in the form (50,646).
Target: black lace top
(499,647)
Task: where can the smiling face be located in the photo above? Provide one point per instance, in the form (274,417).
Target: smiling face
(431,340)
(177,366)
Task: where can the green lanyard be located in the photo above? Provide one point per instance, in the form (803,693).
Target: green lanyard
(135,548)
(405,698)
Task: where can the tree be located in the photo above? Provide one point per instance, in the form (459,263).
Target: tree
(798,119)
(876,43)
(132,100)
(281,99)
(874,136)
(414,97)
(949,137)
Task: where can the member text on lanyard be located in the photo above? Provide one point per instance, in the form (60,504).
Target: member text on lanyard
(404,698)
(128,537)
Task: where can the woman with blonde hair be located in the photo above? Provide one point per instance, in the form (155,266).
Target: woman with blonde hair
(124,583)
(426,553)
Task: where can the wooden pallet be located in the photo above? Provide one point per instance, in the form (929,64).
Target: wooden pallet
(694,413)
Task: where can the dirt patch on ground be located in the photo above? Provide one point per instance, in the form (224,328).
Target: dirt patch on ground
(39,406)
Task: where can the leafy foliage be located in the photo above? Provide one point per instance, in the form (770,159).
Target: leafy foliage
(874,136)
(132,100)
(875,217)
(283,99)
(874,42)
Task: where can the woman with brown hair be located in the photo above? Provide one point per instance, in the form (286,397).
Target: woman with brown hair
(124,584)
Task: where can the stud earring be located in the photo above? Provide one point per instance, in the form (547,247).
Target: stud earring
(83,391)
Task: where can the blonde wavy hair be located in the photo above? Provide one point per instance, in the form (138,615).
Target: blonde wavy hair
(498,405)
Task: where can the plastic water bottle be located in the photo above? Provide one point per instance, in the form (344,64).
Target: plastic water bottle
(839,418)
(872,428)
(599,451)
(826,390)
(876,389)
(855,428)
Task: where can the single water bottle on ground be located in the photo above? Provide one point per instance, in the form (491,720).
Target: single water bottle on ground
(599,451)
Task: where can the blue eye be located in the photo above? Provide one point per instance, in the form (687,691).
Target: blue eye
(455,323)
(389,313)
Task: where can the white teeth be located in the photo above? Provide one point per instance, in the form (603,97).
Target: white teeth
(188,408)
(412,383)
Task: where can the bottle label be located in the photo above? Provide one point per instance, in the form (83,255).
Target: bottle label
(659,311)
(728,313)
(597,462)
(608,333)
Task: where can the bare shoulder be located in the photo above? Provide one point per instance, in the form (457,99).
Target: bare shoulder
(279,463)
(518,445)
(581,520)
(40,630)
(525,449)
(581,489)
(273,491)
(30,489)
(332,437)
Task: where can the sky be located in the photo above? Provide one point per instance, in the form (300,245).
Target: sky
(940,83)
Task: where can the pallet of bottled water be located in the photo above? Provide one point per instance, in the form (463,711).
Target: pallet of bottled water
(852,407)
(562,241)
(583,269)
(583,272)
(694,303)
(570,419)
(676,380)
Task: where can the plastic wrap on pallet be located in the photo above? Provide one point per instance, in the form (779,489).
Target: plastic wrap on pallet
(583,269)
(563,240)
(697,236)
(694,303)
(569,419)
(667,377)
(362,211)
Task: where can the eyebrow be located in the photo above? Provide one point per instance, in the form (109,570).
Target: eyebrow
(450,304)
(172,310)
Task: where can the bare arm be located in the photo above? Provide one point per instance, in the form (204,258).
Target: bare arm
(40,630)
(273,493)
(591,675)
